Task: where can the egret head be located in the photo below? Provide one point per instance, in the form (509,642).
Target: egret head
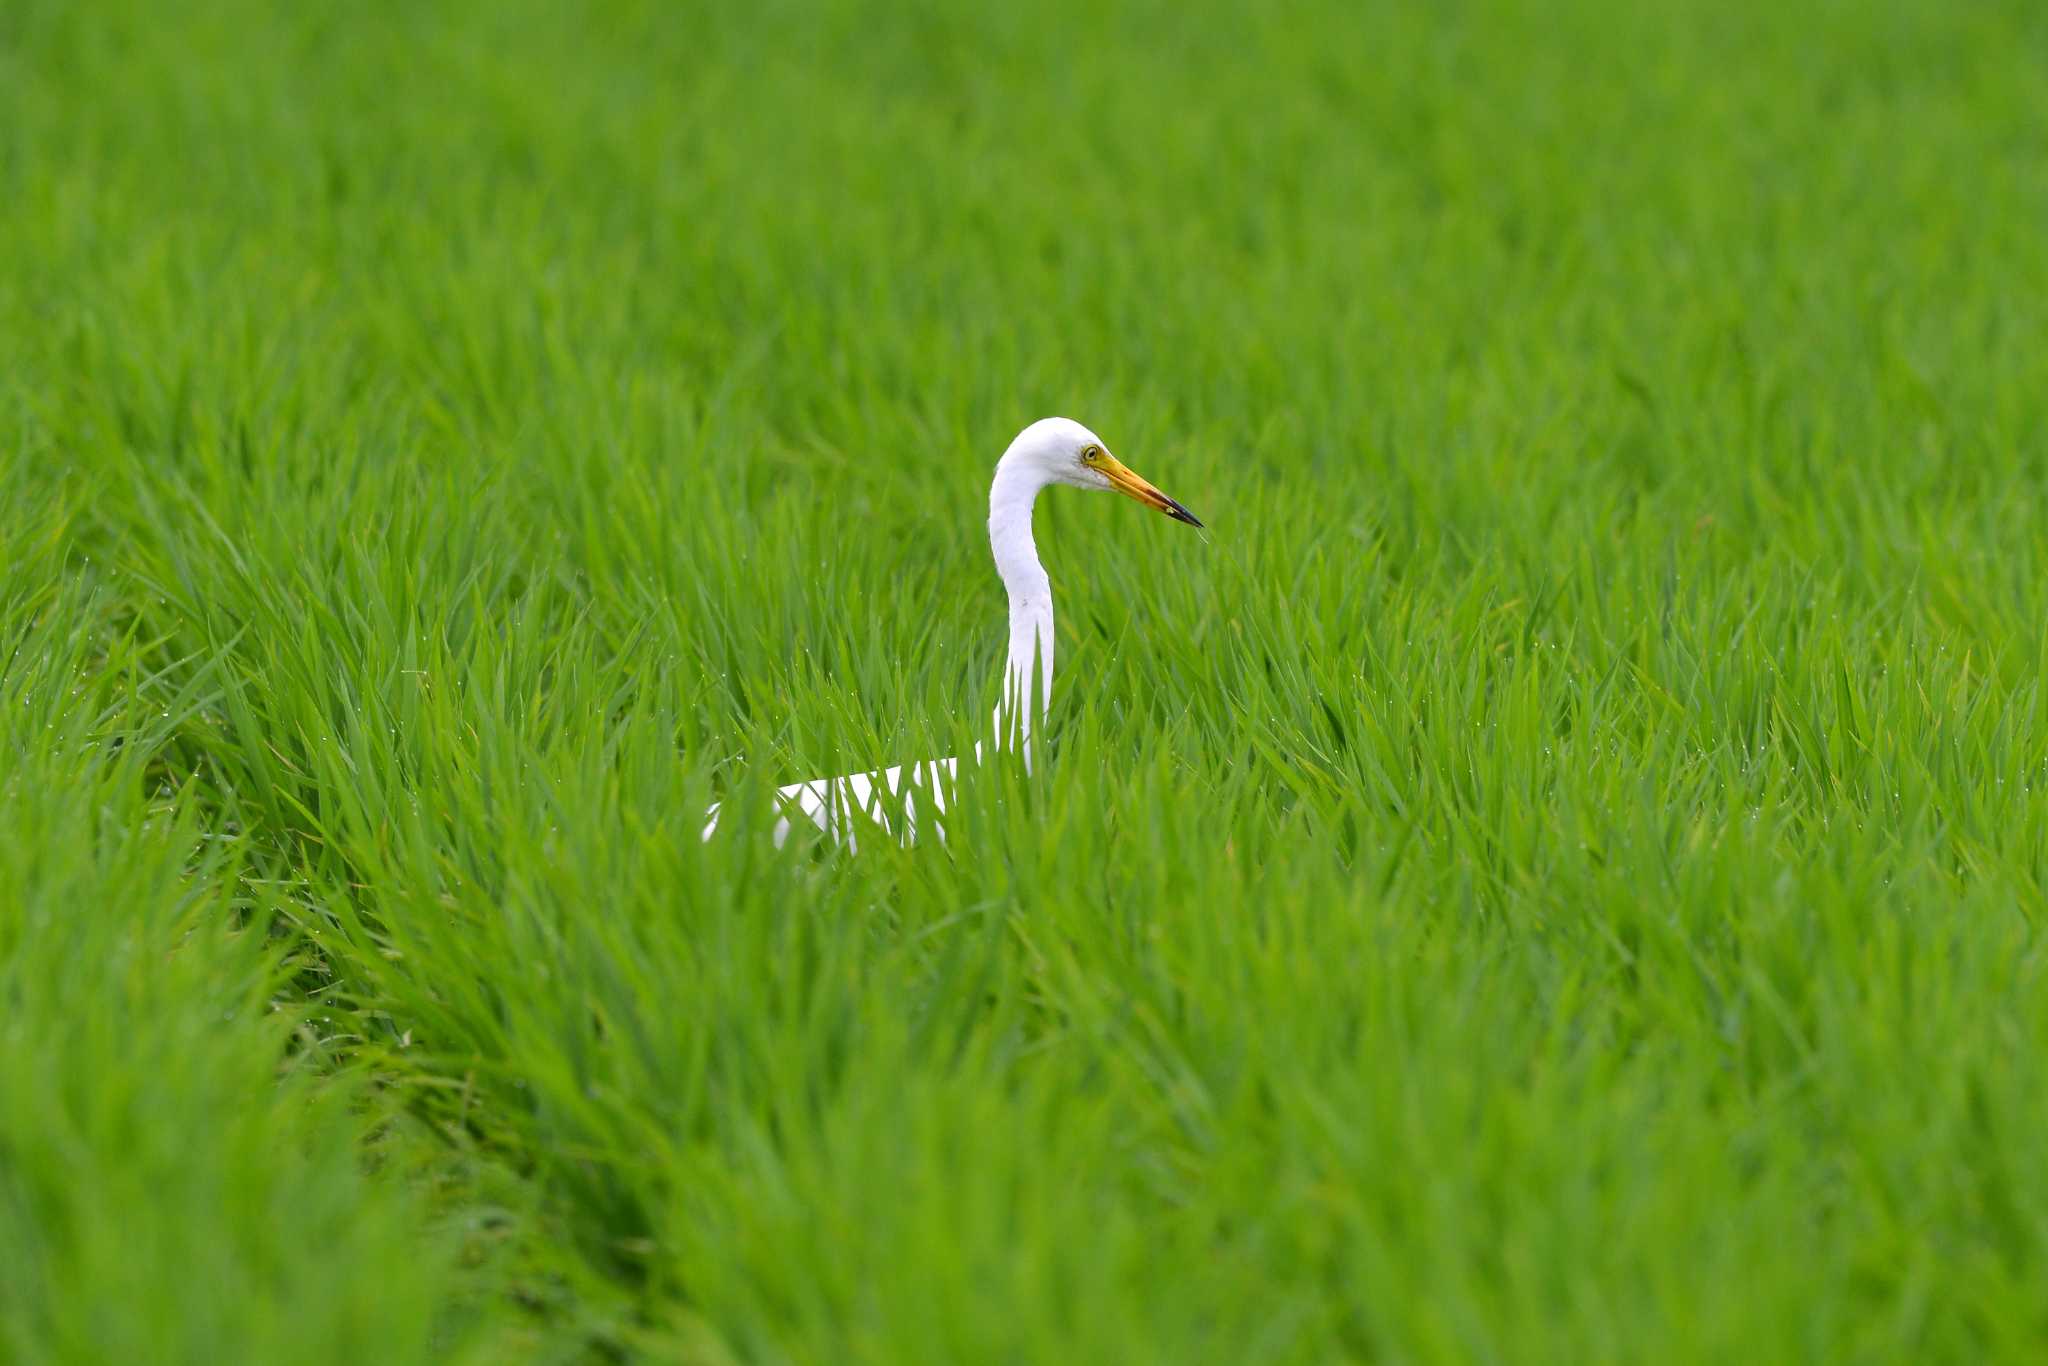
(1062,451)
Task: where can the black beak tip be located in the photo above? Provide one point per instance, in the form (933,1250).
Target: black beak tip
(1181,514)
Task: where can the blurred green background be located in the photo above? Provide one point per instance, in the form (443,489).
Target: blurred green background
(1551,874)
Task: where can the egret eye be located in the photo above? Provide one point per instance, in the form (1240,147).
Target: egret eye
(1092,454)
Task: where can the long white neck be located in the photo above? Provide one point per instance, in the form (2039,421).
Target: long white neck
(1010,498)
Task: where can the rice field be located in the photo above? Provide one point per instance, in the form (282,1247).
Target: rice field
(1551,873)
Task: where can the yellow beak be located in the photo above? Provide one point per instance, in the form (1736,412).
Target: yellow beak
(1132,485)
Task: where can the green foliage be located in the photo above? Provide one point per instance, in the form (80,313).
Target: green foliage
(1551,874)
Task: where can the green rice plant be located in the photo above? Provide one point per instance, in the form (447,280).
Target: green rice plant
(1552,873)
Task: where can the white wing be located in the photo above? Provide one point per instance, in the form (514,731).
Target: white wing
(835,805)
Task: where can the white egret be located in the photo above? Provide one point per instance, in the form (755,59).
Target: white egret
(1053,450)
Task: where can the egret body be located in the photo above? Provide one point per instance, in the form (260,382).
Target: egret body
(1053,450)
